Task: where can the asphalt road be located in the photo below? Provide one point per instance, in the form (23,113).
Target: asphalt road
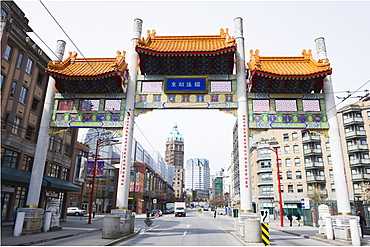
(193,230)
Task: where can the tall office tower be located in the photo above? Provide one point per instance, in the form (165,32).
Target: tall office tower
(197,174)
(175,157)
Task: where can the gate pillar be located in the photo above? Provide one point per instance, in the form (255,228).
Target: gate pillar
(128,127)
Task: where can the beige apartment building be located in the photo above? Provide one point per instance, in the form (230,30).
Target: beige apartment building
(304,158)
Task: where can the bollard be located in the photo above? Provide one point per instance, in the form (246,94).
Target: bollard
(111,226)
(265,234)
(19,224)
(252,231)
(47,222)
(329,228)
(355,233)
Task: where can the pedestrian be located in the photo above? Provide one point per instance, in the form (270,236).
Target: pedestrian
(362,222)
(214,213)
(94,211)
(290,218)
(14,217)
(298,218)
(147,213)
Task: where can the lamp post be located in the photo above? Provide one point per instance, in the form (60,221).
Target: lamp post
(98,142)
(279,185)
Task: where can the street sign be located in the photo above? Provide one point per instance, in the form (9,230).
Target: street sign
(305,203)
(265,216)
(154,200)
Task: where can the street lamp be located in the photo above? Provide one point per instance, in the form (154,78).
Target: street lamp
(279,185)
(98,142)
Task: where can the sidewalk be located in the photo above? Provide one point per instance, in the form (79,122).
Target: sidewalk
(94,231)
(69,229)
(311,233)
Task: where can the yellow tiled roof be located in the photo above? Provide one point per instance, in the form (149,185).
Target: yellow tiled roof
(171,45)
(89,67)
(288,66)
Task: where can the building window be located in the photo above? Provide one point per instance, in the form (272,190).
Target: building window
(29,66)
(298,175)
(65,173)
(295,136)
(286,137)
(297,161)
(287,150)
(327,145)
(9,158)
(7,52)
(331,173)
(299,188)
(54,171)
(290,188)
(265,164)
(3,14)
(52,141)
(59,145)
(19,60)
(30,133)
(329,160)
(289,175)
(296,149)
(40,78)
(281,175)
(35,104)
(12,89)
(16,125)
(282,188)
(27,163)
(288,162)
(332,187)
(2,79)
(23,95)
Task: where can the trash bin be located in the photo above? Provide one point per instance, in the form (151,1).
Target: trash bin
(235,212)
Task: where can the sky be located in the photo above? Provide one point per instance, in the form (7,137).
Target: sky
(276,28)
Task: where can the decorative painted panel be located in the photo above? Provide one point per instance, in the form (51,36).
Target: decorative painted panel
(88,110)
(289,111)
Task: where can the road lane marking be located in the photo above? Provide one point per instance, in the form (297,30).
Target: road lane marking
(184,233)
(223,229)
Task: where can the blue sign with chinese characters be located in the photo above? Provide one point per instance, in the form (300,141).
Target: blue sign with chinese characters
(186,85)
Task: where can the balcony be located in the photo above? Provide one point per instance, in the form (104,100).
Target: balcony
(265,182)
(357,148)
(312,151)
(265,195)
(355,134)
(353,120)
(359,162)
(360,177)
(314,165)
(311,138)
(315,179)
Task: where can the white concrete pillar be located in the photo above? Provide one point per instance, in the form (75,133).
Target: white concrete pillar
(329,228)
(243,124)
(128,128)
(47,221)
(355,232)
(19,224)
(336,150)
(43,138)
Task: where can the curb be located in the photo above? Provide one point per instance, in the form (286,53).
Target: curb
(53,238)
(116,241)
(315,238)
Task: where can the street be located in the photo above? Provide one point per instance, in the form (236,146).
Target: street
(193,230)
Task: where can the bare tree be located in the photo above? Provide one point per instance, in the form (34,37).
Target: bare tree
(365,192)
(318,196)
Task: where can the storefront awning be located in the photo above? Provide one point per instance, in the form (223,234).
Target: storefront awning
(60,184)
(21,176)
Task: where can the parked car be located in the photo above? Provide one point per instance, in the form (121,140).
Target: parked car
(156,212)
(76,211)
(168,211)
